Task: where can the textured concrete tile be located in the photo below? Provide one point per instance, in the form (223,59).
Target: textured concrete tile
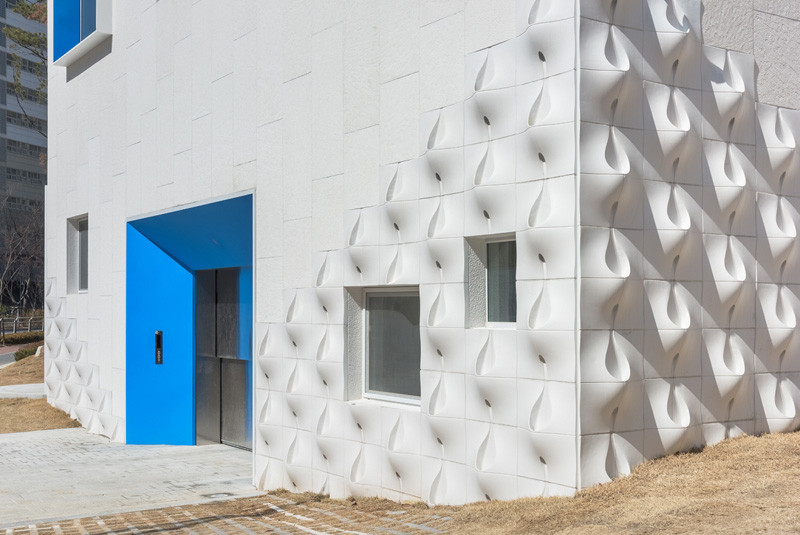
(777,47)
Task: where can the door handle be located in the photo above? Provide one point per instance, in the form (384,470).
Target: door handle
(159,347)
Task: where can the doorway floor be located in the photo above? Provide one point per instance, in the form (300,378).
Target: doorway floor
(69,473)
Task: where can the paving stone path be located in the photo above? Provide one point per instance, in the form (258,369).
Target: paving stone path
(67,481)
(64,473)
(265,514)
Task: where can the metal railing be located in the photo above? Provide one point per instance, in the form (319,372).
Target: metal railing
(21,325)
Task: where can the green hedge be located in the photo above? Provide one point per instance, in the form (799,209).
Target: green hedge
(24,338)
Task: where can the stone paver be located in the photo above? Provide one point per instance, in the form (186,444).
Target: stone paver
(69,473)
(32,391)
(268,513)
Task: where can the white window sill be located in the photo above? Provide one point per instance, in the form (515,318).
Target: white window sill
(387,401)
(82,48)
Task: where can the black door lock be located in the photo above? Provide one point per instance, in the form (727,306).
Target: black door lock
(159,347)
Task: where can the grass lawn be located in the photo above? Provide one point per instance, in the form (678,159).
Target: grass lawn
(27,371)
(21,414)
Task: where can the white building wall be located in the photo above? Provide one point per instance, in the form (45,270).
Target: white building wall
(339,115)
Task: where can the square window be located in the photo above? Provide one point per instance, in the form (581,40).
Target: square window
(501,279)
(392,344)
(78,254)
(491,273)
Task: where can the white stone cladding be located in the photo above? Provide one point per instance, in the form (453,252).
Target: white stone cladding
(654,202)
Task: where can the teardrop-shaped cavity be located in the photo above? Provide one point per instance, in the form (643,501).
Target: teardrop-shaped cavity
(485,73)
(540,210)
(322,274)
(263,348)
(486,356)
(538,11)
(732,168)
(438,398)
(541,412)
(540,311)
(677,409)
(486,166)
(676,114)
(293,383)
(293,311)
(436,135)
(676,18)
(359,468)
(615,258)
(614,52)
(734,265)
(487,452)
(541,105)
(677,212)
(731,355)
(395,268)
(782,218)
(438,309)
(611,458)
(292,452)
(615,155)
(730,74)
(677,311)
(783,134)
(355,232)
(439,487)
(783,399)
(324,422)
(263,415)
(393,185)
(783,308)
(323,349)
(616,361)
(396,435)
(437,220)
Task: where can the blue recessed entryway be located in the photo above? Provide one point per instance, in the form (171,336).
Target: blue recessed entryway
(190,278)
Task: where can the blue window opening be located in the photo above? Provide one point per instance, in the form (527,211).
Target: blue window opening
(73,21)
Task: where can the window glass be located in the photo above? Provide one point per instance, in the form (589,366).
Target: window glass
(83,254)
(88,17)
(501,275)
(393,346)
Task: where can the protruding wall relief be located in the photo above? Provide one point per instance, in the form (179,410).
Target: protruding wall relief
(662,271)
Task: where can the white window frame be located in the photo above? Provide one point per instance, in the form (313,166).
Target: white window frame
(497,324)
(400,291)
(74,254)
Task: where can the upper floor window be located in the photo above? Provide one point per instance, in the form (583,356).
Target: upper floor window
(78,25)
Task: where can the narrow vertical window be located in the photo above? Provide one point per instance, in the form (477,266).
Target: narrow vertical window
(83,255)
(392,344)
(78,254)
(501,277)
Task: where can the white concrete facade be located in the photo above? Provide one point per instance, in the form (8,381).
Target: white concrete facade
(652,194)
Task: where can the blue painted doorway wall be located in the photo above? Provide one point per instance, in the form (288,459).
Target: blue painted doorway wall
(163,252)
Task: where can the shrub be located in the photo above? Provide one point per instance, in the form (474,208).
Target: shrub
(24,338)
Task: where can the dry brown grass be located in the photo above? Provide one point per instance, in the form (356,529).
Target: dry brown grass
(21,414)
(743,485)
(27,371)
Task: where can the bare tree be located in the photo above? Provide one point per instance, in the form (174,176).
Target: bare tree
(22,255)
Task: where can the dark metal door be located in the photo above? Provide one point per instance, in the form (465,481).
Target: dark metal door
(221,380)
